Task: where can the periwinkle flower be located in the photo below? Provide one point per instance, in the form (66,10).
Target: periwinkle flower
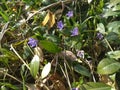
(75,88)
(69,14)
(60,25)
(81,54)
(32,42)
(99,36)
(74,32)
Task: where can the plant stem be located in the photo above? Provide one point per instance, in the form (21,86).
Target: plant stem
(19,57)
(67,77)
(108,44)
(13,77)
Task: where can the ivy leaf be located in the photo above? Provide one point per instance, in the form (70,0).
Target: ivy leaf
(114,54)
(101,28)
(108,66)
(50,46)
(110,12)
(114,27)
(82,70)
(95,86)
(113,38)
(113,2)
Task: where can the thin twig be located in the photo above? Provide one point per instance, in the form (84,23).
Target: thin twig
(49,6)
(63,71)
(108,44)
(13,78)
(66,72)
(19,56)
(67,75)
(30,49)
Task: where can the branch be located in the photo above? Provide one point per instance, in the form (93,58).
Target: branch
(49,6)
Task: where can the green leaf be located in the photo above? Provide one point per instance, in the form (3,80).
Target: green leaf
(10,86)
(111,12)
(27,53)
(5,17)
(34,66)
(116,8)
(95,86)
(114,27)
(113,38)
(108,66)
(50,46)
(52,38)
(101,28)
(82,70)
(113,2)
(7,54)
(3,88)
(114,54)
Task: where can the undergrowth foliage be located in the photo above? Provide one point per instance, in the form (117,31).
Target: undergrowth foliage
(59,45)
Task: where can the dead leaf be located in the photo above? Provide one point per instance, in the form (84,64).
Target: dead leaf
(46,19)
(58,13)
(106,79)
(50,19)
(68,55)
(38,51)
(57,81)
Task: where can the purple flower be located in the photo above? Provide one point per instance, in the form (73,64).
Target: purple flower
(60,25)
(99,36)
(75,88)
(32,42)
(80,54)
(69,14)
(74,32)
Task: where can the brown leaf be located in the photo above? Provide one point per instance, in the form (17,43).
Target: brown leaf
(50,19)
(58,13)
(57,81)
(68,55)
(38,51)
(46,19)
(105,79)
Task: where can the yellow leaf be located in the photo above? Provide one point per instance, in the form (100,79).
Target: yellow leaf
(46,19)
(52,19)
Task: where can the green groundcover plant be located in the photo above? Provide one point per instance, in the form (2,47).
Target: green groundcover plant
(59,45)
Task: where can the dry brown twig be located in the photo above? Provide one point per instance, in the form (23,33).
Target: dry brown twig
(49,6)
